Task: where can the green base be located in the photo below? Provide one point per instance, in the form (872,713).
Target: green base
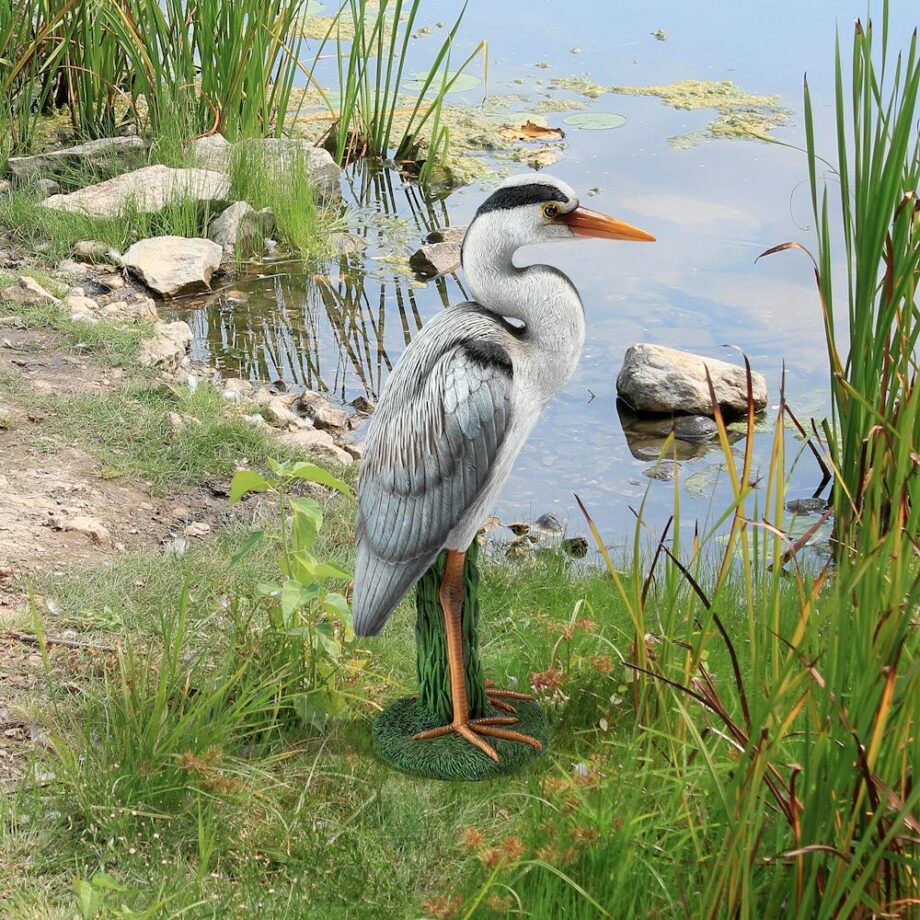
(452,757)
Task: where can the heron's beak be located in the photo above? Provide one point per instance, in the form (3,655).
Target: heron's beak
(584,222)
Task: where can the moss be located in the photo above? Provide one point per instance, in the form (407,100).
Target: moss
(552,104)
(740,114)
(584,86)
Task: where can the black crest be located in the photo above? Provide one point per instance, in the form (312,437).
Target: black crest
(516,196)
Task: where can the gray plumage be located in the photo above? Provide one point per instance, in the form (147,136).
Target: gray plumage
(462,400)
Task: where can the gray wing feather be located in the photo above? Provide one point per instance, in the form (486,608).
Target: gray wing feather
(432,443)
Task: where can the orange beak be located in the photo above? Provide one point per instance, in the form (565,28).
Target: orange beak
(584,222)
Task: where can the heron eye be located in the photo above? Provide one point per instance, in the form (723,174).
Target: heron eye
(550,211)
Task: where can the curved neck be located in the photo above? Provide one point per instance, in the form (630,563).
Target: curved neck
(539,296)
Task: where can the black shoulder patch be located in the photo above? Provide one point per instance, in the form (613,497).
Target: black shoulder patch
(489,354)
(516,196)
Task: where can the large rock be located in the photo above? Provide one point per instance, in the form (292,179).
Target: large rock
(212,152)
(435,259)
(169,345)
(27,292)
(149,190)
(107,151)
(446,235)
(318,442)
(655,378)
(286,153)
(323,413)
(174,265)
(241,230)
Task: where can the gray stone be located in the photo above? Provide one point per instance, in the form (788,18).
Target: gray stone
(167,348)
(27,292)
(106,151)
(5,186)
(806,505)
(322,412)
(655,378)
(149,190)
(235,388)
(212,152)
(47,187)
(241,230)
(82,309)
(363,406)
(435,259)
(446,235)
(141,310)
(174,265)
(280,413)
(317,442)
(548,522)
(95,252)
(286,153)
(695,428)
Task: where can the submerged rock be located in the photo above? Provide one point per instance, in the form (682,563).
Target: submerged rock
(107,151)
(149,190)
(435,259)
(174,265)
(169,345)
(241,230)
(806,505)
(655,378)
(446,235)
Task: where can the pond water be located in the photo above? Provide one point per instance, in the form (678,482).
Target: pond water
(713,206)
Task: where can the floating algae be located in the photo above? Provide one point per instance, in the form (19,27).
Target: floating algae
(552,104)
(584,86)
(740,114)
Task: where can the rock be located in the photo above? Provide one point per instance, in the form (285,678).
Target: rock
(548,522)
(356,449)
(27,292)
(286,153)
(575,546)
(321,412)
(114,281)
(655,378)
(647,436)
(212,152)
(94,252)
(174,265)
(664,471)
(197,529)
(142,310)
(236,389)
(75,271)
(47,187)
(363,406)
(279,413)
(446,235)
(345,244)
(106,151)
(86,525)
(5,186)
(317,442)
(256,420)
(806,506)
(435,259)
(82,309)
(167,348)
(179,422)
(241,230)
(149,190)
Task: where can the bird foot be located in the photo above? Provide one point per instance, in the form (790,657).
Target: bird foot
(498,697)
(472,729)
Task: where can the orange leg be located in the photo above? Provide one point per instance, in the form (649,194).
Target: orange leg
(451,596)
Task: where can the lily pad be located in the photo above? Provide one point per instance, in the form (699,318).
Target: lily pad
(595,121)
(463,84)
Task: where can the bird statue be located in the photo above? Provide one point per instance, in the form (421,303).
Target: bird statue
(454,414)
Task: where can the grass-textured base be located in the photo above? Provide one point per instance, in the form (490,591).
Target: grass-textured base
(452,757)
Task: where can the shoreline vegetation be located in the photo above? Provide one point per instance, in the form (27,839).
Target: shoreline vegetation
(185,716)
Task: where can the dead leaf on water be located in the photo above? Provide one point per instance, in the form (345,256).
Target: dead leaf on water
(531,131)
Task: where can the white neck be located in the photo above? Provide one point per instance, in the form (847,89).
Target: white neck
(539,296)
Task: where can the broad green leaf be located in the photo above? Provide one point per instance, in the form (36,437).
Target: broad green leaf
(326,635)
(268,589)
(246,547)
(330,570)
(308,519)
(245,481)
(312,709)
(310,472)
(338,606)
(295,596)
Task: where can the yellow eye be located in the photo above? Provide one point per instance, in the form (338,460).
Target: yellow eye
(550,211)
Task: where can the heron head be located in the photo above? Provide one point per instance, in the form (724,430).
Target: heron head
(539,208)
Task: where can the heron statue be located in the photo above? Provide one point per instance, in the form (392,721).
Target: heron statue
(454,414)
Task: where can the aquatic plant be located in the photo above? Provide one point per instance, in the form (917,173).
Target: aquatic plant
(377,112)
